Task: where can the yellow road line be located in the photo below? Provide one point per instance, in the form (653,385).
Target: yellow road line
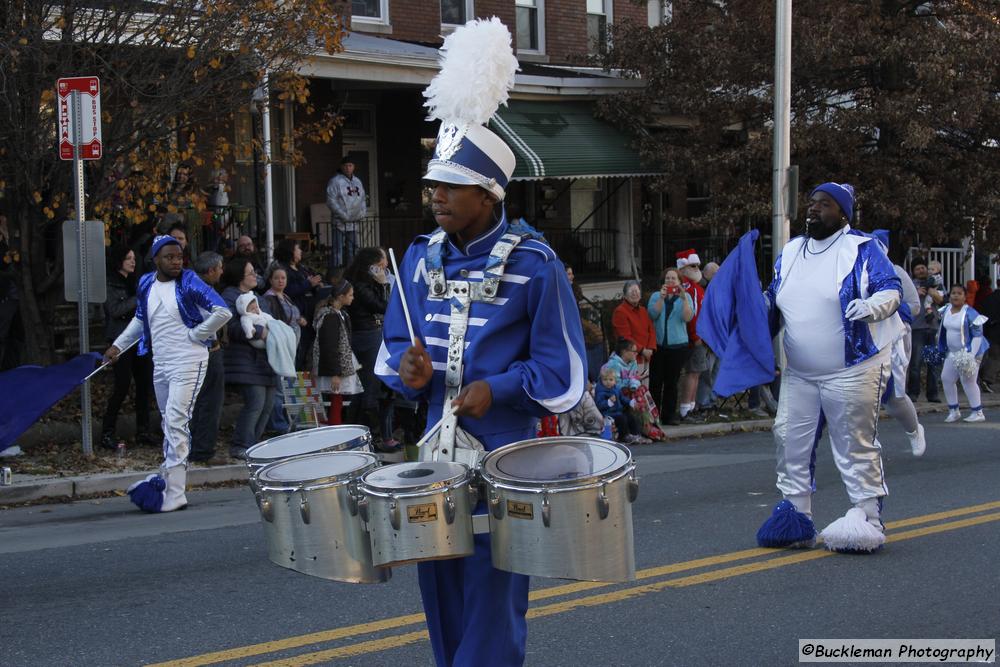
(397,622)
(950,514)
(623,594)
(373,646)
(413,619)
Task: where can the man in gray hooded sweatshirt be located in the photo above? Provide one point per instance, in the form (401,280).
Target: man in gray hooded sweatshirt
(345,196)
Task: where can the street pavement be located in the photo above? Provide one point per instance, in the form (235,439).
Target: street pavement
(96,583)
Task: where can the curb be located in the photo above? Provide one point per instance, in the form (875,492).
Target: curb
(85,485)
(88,485)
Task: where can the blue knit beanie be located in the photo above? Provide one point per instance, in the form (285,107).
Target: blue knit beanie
(842,193)
(160,241)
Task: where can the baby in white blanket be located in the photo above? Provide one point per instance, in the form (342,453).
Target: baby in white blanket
(251,315)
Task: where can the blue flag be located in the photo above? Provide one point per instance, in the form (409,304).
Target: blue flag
(733,322)
(26,392)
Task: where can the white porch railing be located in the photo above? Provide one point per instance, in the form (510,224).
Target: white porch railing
(956,267)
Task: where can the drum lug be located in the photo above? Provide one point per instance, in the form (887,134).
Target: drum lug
(304,508)
(546,510)
(352,499)
(362,504)
(267,510)
(633,486)
(495,505)
(394,514)
(449,509)
(474,493)
(602,502)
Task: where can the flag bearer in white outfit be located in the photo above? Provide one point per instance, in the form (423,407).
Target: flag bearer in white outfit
(176,317)
(834,295)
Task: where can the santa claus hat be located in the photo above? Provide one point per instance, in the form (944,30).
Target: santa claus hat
(686,257)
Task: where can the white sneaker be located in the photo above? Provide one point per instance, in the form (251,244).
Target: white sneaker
(953,416)
(917,442)
(976,416)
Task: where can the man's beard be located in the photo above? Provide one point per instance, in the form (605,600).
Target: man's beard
(818,230)
(693,275)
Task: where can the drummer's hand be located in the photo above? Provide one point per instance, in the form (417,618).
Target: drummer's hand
(415,368)
(111,355)
(335,384)
(474,400)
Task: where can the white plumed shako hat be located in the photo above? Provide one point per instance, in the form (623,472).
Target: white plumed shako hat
(477,73)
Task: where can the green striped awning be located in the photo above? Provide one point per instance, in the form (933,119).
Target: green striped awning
(564,140)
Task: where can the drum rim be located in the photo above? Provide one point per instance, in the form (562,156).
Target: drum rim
(453,482)
(316,482)
(498,479)
(263,460)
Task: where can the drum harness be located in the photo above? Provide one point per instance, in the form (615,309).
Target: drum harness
(453,443)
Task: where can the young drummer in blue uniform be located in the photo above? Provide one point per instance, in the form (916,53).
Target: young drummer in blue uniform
(499,338)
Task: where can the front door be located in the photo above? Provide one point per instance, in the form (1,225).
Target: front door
(366,169)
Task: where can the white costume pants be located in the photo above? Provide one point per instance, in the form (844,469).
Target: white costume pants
(849,400)
(177,386)
(949,379)
(897,403)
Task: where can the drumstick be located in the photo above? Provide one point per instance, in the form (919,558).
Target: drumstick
(402,297)
(108,363)
(448,411)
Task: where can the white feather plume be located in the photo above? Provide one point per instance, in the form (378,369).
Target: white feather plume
(477,73)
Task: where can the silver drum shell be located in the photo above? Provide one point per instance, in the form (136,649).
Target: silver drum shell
(401,533)
(559,532)
(310,441)
(317,531)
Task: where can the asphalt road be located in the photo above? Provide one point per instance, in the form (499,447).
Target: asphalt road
(95,583)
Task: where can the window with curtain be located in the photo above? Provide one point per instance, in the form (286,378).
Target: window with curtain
(456,12)
(597,25)
(530,28)
(371,9)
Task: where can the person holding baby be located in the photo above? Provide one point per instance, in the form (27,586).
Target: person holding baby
(245,355)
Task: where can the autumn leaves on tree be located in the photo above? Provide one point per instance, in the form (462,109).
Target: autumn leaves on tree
(176,77)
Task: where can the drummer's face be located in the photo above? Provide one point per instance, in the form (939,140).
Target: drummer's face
(457,207)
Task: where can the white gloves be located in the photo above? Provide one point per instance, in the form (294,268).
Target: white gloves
(858,310)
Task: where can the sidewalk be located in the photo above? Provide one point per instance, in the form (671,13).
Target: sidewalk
(29,488)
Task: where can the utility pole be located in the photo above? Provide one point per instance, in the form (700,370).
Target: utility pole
(782,126)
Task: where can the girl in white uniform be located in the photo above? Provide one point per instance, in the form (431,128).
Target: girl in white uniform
(961,335)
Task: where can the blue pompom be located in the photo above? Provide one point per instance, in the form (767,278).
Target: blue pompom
(786,526)
(932,355)
(148,494)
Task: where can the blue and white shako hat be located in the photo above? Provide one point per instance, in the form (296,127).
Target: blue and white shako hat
(477,73)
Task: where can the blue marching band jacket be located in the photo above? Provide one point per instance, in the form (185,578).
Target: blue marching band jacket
(522,332)
(195,301)
(972,328)
(863,270)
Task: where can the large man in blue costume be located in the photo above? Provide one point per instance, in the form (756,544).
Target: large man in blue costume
(835,296)
(499,339)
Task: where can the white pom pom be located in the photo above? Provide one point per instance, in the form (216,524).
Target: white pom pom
(853,533)
(477,73)
(965,363)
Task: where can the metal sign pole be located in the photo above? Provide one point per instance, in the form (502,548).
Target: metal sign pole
(84,301)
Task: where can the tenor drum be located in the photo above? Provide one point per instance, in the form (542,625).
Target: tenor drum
(418,511)
(310,509)
(299,443)
(562,507)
